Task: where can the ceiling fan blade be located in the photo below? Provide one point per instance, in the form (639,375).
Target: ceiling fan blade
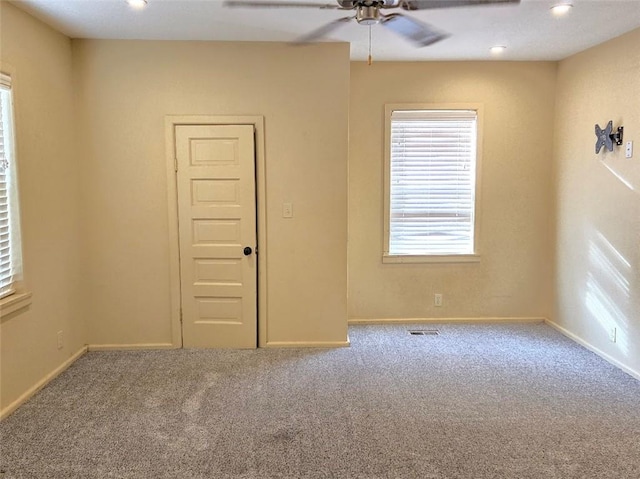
(257,4)
(323,31)
(413,30)
(430,4)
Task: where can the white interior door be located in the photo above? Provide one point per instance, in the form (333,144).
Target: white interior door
(217,228)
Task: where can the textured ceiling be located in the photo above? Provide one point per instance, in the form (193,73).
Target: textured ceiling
(529,30)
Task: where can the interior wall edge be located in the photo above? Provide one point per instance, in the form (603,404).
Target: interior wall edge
(308,344)
(483,320)
(582,342)
(131,347)
(42,383)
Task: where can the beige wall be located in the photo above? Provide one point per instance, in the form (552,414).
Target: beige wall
(598,199)
(40,60)
(513,278)
(125,89)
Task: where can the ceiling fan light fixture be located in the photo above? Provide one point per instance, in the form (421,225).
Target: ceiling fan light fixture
(137,4)
(497,49)
(561,9)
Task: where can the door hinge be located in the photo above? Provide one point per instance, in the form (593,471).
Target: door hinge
(175,164)
(180,315)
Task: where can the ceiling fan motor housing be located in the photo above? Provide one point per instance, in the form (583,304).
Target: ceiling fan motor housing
(368,3)
(368,15)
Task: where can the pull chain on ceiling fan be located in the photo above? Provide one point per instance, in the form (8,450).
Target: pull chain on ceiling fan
(369,12)
(370,60)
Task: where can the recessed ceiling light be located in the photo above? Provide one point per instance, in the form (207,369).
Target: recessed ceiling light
(497,50)
(561,8)
(137,4)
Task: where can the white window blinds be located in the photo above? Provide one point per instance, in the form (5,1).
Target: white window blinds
(10,250)
(432,182)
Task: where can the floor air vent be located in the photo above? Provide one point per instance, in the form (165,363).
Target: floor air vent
(424,332)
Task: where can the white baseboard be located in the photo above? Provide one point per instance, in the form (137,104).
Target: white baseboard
(130,347)
(42,383)
(593,349)
(307,344)
(444,320)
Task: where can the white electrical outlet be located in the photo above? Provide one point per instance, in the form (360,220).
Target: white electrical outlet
(628,152)
(613,334)
(437,300)
(60,339)
(287,210)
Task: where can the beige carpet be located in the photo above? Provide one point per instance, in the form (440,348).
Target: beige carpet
(487,401)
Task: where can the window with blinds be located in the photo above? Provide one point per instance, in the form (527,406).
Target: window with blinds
(432,182)
(10,249)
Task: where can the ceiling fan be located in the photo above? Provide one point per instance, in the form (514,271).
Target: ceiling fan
(369,12)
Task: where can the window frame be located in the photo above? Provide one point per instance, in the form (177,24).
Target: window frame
(431,258)
(19,298)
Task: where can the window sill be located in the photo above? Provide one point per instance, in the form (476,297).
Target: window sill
(13,303)
(449,258)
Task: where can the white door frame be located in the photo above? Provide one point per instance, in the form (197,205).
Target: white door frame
(171,121)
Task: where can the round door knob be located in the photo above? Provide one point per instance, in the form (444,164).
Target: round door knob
(247,250)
